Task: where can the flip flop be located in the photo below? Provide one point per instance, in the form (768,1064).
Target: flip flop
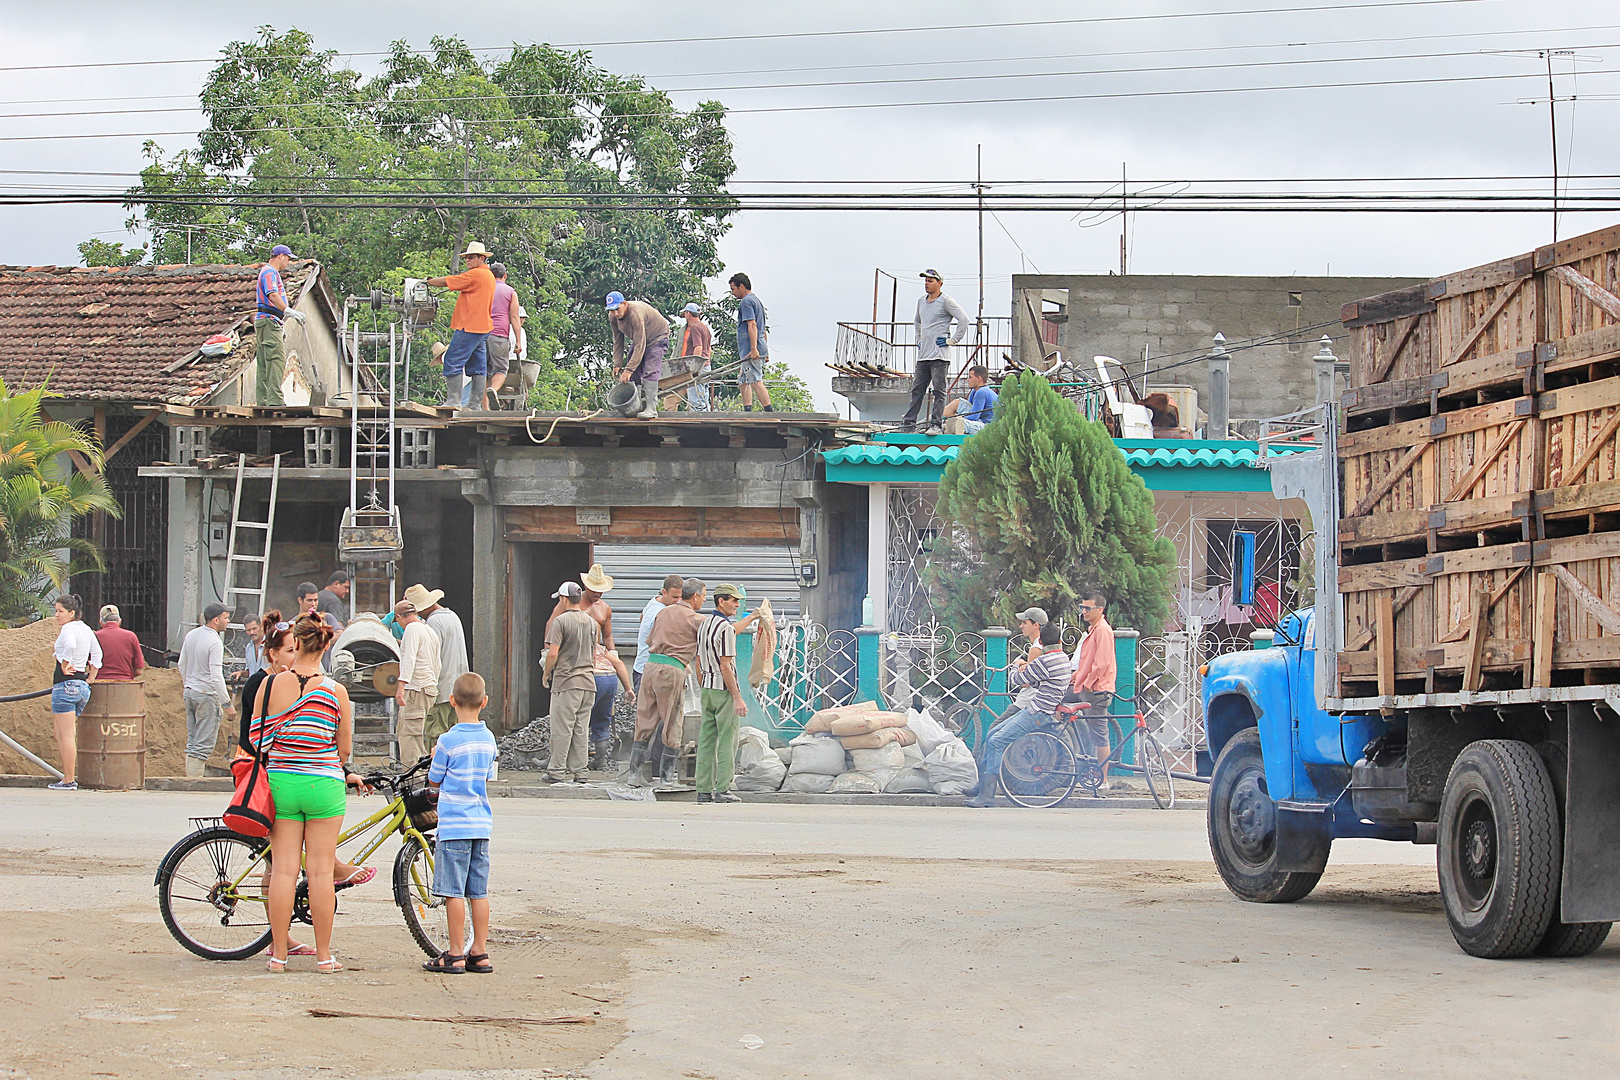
(361,875)
(296,949)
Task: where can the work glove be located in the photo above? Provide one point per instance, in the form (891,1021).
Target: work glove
(940,341)
(299,315)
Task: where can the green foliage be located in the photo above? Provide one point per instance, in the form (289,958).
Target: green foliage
(100,253)
(389,177)
(1045,510)
(40,496)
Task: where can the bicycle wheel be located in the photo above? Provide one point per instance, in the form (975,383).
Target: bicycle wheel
(1156,770)
(1037,770)
(202,908)
(424,912)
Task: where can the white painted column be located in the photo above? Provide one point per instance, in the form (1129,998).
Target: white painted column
(877,553)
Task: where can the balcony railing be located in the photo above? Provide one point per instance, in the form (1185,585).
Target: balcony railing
(892,346)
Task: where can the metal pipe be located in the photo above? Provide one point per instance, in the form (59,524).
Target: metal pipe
(23,750)
(354,421)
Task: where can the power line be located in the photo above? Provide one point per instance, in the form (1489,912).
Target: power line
(802,35)
(518,98)
(846,107)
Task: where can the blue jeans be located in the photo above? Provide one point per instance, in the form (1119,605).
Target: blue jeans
(607,688)
(466,354)
(1002,735)
(461,868)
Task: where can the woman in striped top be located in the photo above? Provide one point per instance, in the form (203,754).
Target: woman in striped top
(305,728)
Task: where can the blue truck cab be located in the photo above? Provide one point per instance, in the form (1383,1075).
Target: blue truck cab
(1283,767)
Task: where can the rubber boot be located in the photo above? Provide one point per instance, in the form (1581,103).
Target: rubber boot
(632,771)
(452,390)
(649,407)
(600,758)
(196,767)
(986,795)
(669,772)
(480,383)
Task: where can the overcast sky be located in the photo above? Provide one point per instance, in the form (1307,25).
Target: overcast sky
(815,269)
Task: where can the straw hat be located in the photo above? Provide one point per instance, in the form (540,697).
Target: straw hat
(475,248)
(597,580)
(439,349)
(421,597)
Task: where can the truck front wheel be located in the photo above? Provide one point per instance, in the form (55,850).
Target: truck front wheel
(1501,849)
(1243,827)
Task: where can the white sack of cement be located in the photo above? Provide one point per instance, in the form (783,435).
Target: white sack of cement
(616,790)
(861,783)
(817,754)
(786,754)
(758,767)
(914,756)
(930,732)
(912,781)
(808,783)
(884,758)
(951,768)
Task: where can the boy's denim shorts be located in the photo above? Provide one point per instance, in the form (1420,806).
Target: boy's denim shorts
(461,869)
(70,696)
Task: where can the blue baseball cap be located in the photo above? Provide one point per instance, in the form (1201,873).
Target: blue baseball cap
(614,299)
(282,249)
(692,309)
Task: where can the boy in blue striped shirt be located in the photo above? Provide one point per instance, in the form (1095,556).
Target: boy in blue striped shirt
(463,764)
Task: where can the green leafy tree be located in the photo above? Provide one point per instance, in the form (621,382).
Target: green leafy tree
(1043,509)
(40,496)
(389,177)
(100,253)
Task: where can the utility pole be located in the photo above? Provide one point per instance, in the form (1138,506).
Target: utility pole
(1552,120)
(1124,204)
(979,187)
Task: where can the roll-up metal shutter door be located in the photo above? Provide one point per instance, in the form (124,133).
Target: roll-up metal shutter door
(638,572)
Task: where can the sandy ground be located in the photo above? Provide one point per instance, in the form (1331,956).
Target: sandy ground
(793,941)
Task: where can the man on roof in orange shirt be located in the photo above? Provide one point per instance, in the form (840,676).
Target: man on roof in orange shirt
(466,359)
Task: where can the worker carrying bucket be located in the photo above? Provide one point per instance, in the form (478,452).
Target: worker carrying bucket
(646,332)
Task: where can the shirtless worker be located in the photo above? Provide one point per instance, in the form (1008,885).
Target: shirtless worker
(647,331)
(672,648)
(610,671)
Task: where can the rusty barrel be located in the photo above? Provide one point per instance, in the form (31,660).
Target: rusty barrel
(112,737)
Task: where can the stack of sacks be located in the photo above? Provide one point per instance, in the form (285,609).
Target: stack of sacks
(759,768)
(876,743)
(946,759)
(822,720)
(814,762)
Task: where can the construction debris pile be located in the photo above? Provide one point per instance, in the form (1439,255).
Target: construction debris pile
(860,749)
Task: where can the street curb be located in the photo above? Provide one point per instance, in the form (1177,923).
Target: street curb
(24,780)
(190,783)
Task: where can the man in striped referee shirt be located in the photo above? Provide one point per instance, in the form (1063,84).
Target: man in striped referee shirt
(723,706)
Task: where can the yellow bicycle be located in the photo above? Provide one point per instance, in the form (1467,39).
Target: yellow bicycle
(212,883)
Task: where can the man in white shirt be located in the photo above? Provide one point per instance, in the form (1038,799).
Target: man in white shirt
(418,682)
(202,673)
(671,594)
(935,313)
(452,651)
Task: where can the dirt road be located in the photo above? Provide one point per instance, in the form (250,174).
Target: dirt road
(843,941)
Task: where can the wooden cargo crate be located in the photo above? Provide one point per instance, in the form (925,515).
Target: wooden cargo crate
(1437,478)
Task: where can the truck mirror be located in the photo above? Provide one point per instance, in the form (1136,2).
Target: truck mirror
(1243,567)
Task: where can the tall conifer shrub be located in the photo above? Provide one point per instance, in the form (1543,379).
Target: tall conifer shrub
(1042,509)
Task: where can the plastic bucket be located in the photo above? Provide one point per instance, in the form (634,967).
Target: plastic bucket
(624,398)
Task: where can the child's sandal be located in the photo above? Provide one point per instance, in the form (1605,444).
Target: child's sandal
(444,964)
(479,964)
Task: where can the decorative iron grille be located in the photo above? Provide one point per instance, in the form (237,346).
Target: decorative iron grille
(930,666)
(815,669)
(133,546)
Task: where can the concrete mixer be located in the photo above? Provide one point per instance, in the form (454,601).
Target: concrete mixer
(365,659)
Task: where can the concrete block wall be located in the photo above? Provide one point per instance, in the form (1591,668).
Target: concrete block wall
(1175,317)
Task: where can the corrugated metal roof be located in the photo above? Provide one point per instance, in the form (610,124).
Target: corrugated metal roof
(885,454)
(638,573)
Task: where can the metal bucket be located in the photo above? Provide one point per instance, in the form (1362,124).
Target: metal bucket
(112,737)
(624,398)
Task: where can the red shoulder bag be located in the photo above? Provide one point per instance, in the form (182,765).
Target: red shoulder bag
(252,808)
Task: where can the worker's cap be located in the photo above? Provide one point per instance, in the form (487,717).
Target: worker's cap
(614,299)
(692,309)
(569,589)
(214,611)
(475,248)
(932,273)
(404,608)
(282,249)
(523,312)
(729,590)
(1035,615)
(109,613)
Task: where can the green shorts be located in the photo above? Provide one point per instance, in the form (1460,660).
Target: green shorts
(307,798)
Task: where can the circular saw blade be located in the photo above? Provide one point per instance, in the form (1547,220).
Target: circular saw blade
(385,678)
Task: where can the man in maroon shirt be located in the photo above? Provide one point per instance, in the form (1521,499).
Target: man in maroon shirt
(120,649)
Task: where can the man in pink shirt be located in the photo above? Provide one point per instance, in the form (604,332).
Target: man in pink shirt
(506,315)
(1096,670)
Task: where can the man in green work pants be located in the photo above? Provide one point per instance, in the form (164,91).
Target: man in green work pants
(723,706)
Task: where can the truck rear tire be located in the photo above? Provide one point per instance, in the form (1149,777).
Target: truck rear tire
(1501,849)
(1243,827)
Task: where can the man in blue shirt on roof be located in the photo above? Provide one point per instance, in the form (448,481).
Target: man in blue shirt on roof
(272,307)
(979,408)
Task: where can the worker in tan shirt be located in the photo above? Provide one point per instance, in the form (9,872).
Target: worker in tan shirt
(646,331)
(1095,671)
(418,682)
(671,649)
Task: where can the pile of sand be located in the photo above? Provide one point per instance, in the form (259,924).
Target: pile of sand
(25,665)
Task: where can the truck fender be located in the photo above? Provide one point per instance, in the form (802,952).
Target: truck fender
(1232,708)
